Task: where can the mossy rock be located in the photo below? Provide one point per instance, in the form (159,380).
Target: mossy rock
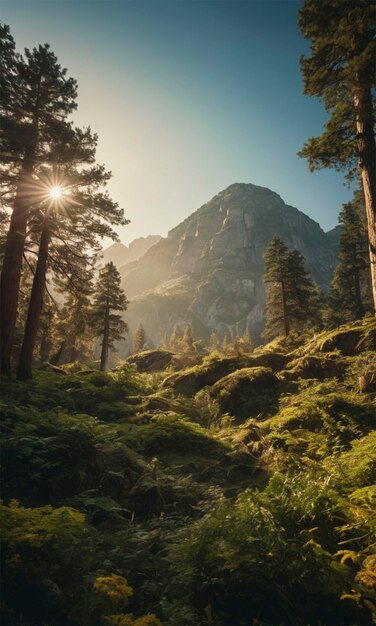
(192,380)
(314,366)
(349,339)
(248,392)
(151,360)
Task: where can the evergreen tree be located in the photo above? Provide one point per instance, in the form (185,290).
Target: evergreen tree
(38,99)
(108,297)
(306,299)
(175,339)
(68,237)
(45,331)
(292,297)
(227,342)
(246,341)
(350,296)
(341,71)
(73,331)
(139,339)
(214,342)
(276,259)
(187,341)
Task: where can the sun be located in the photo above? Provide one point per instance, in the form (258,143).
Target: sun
(55,192)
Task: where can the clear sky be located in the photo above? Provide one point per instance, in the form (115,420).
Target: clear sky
(187,97)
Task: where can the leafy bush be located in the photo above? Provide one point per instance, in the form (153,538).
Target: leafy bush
(255,559)
(45,556)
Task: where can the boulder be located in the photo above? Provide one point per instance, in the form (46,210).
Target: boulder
(192,380)
(320,367)
(248,392)
(349,339)
(151,360)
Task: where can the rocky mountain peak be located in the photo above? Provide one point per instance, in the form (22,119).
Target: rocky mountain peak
(209,270)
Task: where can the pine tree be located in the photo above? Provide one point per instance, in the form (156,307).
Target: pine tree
(276,259)
(108,297)
(292,297)
(187,341)
(227,343)
(341,71)
(246,341)
(67,236)
(175,339)
(351,296)
(214,342)
(305,297)
(139,339)
(33,115)
(73,332)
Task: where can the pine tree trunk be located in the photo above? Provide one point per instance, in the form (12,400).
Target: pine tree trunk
(12,263)
(15,243)
(106,332)
(24,370)
(367,152)
(57,356)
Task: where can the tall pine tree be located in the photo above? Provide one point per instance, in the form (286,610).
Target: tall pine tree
(66,230)
(341,71)
(350,296)
(109,297)
(38,99)
(139,339)
(292,298)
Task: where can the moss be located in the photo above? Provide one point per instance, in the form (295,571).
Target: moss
(349,339)
(168,432)
(316,366)
(192,380)
(321,419)
(151,360)
(355,468)
(248,392)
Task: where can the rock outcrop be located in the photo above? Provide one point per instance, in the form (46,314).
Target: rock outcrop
(120,254)
(208,272)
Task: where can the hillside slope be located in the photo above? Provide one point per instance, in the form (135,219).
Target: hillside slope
(238,491)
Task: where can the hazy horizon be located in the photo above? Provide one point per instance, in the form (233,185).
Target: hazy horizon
(187,98)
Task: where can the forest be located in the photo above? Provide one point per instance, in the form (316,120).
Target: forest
(220,482)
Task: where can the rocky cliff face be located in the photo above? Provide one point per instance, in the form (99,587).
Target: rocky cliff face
(209,270)
(121,254)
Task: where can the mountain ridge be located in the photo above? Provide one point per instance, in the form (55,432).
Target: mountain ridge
(217,253)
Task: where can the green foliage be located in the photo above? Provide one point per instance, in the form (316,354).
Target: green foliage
(351,289)
(212,522)
(340,64)
(255,558)
(108,297)
(139,338)
(293,301)
(40,546)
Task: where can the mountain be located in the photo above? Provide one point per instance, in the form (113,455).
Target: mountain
(208,272)
(121,254)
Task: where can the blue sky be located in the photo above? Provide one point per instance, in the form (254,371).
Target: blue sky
(187,97)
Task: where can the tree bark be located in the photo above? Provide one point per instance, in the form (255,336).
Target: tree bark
(367,151)
(57,356)
(12,263)
(106,332)
(24,370)
(15,243)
